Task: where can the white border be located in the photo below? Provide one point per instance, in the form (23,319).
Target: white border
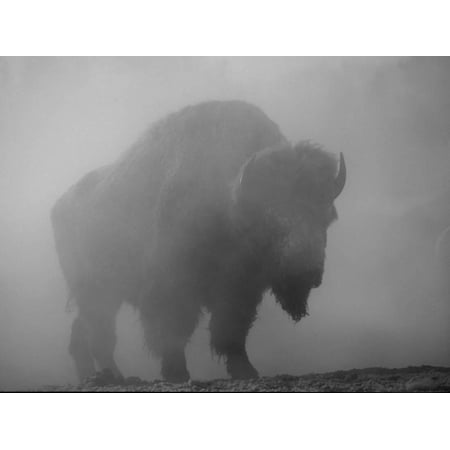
(222,28)
(234,27)
(219,421)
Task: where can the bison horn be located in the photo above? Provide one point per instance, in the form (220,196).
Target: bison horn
(245,169)
(339,182)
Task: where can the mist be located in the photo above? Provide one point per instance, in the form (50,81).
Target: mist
(384,298)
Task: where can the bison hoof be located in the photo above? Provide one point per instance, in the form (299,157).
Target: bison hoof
(104,377)
(242,370)
(176,377)
(175,373)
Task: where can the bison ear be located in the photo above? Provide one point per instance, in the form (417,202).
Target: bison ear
(341,177)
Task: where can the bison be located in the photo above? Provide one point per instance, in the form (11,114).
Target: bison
(210,209)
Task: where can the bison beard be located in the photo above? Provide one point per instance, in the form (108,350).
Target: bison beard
(208,210)
(292,294)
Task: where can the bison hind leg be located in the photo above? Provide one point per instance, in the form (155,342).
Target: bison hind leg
(93,337)
(79,349)
(103,340)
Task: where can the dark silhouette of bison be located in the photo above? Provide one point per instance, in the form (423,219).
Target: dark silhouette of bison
(211,208)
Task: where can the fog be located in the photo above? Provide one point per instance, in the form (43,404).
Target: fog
(383,301)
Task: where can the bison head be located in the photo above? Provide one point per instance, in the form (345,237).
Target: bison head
(287,194)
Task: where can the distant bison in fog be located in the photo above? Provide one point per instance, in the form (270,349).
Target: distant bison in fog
(211,208)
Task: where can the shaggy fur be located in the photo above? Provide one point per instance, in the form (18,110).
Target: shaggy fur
(211,208)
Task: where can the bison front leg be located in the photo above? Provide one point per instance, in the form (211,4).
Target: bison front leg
(229,327)
(168,323)
(167,343)
(173,362)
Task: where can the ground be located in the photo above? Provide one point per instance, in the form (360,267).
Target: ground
(409,379)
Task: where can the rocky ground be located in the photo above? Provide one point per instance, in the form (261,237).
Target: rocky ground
(409,379)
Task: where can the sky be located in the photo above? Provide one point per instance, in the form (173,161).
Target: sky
(383,301)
